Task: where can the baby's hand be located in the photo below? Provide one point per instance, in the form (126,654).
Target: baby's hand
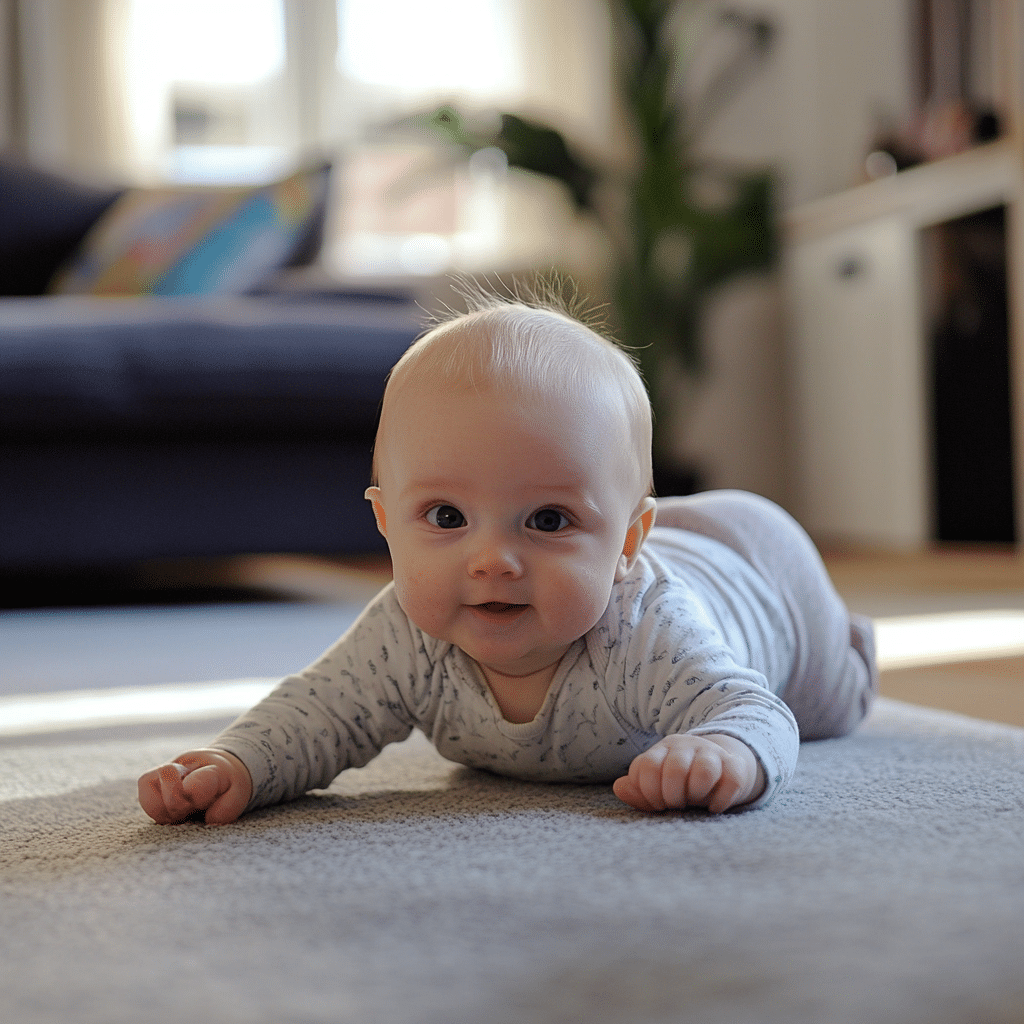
(213,781)
(716,772)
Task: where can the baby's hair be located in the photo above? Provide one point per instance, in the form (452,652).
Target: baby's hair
(552,292)
(539,338)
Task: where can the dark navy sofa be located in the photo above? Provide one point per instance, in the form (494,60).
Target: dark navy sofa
(178,427)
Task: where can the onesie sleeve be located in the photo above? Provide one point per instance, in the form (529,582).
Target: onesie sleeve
(338,713)
(678,675)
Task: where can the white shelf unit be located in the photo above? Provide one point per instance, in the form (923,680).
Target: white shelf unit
(858,352)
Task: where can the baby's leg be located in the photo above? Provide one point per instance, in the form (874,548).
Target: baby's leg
(835,676)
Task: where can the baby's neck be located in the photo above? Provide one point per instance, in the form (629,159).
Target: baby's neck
(519,698)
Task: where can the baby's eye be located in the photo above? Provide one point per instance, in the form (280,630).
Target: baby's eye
(447,517)
(547,520)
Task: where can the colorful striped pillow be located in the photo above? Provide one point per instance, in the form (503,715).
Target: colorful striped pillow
(197,241)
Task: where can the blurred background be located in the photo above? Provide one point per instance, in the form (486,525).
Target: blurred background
(804,218)
(833,229)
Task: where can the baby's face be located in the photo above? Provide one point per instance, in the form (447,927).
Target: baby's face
(508,519)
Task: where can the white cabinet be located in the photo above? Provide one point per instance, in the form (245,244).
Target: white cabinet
(857,353)
(860,415)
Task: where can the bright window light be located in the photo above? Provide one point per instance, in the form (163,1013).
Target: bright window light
(214,42)
(227,165)
(413,47)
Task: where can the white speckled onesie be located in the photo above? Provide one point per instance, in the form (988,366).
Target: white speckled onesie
(728,624)
(834,676)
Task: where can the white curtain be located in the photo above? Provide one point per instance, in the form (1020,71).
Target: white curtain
(10,115)
(97,73)
(72,85)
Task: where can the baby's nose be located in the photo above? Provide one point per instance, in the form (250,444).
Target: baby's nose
(494,557)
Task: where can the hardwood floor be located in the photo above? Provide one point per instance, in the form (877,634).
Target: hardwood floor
(942,579)
(954,573)
(981,689)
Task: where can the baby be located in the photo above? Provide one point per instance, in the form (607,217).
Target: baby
(540,625)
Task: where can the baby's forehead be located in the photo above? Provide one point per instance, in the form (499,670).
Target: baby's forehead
(537,353)
(531,420)
(550,440)
(443,387)
(503,398)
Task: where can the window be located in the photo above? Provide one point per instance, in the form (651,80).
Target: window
(240,90)
(418,51)
(207,86)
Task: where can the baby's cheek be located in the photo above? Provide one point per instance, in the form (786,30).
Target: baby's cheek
(422,600)
(581,600)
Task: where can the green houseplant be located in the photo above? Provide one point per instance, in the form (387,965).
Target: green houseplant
(687,224)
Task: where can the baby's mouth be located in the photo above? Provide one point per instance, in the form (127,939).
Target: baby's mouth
(500,607)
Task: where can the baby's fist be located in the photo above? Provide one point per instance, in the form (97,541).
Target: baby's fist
(213,781)
(716,772)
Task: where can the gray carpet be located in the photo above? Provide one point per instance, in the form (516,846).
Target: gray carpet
(50,649)
(887,885)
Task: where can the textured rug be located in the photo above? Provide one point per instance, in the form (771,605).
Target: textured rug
(887,885)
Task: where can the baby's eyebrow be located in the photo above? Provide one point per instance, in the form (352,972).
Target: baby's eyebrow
(583,501)
(439,484)
(541,493)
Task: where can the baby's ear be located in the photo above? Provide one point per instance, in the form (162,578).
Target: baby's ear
(373,496)
(643,520)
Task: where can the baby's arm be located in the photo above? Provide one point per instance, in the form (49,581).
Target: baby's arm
(712,771)
(213,781)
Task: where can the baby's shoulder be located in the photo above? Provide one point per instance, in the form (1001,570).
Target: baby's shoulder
(384,624)
(656,598)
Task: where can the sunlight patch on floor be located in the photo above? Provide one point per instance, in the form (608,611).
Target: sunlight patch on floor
(909,641)
(903,642)
(94,709)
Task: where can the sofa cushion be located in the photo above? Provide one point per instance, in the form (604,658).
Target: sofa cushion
(43,219)
(197,240)
(203,366)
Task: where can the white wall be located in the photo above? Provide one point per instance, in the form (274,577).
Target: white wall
(811,113)
(837,68)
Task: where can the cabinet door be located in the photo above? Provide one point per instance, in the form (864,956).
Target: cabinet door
(860,412)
